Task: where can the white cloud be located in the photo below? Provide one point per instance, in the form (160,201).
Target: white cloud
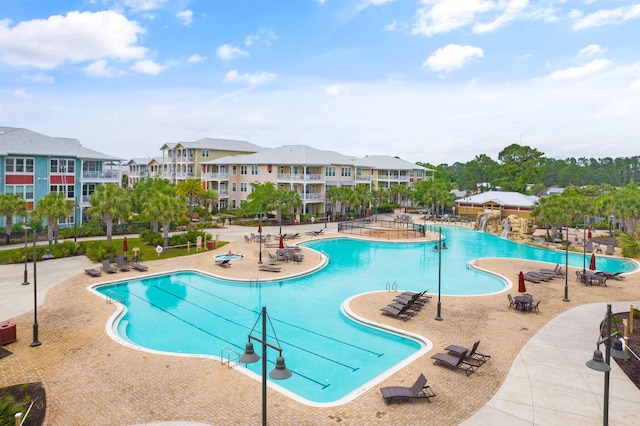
(636,85)
(606,17)
(451,57)
(337,89)
(145,5)
(22,93)
(76,37)
(226,52)
(579,72)
(591,50)
(265,35)
(194,59)
(147,66)
(185,17)
(251,79)
(39,78)
(513,10)
(99,68)
(442,16)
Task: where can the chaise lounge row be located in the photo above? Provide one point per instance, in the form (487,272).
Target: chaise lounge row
(461,358)
(406,305)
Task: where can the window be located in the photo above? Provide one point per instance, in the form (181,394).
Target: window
(23,191)
(330,171)
(67,190)
(18,165)
(234,169)
(233,203)
(243,187)
(205,153)
(62,166)
(233,187)
(254,170)
(243,170)
(346,171)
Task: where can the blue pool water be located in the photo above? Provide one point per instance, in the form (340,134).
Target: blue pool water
(332,357)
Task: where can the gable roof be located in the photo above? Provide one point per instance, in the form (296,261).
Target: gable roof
(502,198)
(216,144)
(288,154)
(17,141)
(387,162)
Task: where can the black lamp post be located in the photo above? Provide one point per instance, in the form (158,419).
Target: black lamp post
(35,341)
(597,363)
(584,247)
(75,223)
(260,234)
(280,372)
(566,268)
(326,218)
(26,230)
(439,247)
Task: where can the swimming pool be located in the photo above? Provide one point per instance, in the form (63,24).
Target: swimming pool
(333,358)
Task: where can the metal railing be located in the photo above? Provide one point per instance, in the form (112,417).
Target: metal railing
(382,229)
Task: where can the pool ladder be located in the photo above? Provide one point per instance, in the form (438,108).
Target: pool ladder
(391,286)
(114,297)
(229,354)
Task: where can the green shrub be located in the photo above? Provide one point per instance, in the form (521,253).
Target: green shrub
(99,250)
(8,409)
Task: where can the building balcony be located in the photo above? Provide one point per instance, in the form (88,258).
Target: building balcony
(299,177)
(103,175)
(216,176)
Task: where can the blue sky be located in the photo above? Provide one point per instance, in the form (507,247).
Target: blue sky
(436,81)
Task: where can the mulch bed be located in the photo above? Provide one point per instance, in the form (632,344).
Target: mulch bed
(24,395)
(632,366)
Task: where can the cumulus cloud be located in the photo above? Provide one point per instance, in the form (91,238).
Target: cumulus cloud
(337,89)
(76,37)
(606,17)
(185,17)
(145,5)
(100,68)
(234,76)
(513,9)
(22,93)
(442,16)
(147,66)
(194,59)
(581,71)
(226,52)
(264,35)
(39,78)
(591,50)
(451,57)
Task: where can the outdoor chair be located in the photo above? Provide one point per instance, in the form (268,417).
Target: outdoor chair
(557,271)
(106,266)
(122,264)
(225,263)
(512,303)
(534,307)
(270,268)
(93,272)
(139,267)
(455,362)
(472,355)
(420,389)
(609,249)
(403,313)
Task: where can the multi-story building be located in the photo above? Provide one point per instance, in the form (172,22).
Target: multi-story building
(33,165)
(139,169)
(306,170)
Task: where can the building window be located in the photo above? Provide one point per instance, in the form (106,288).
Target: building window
(67,190)
(254,170)
(18,165)
(243,187)
(23,191)
(233,204)
(205,153)
(233,187)
(243,170)
(330,171)
(346,171)
(62,166)
(234,170)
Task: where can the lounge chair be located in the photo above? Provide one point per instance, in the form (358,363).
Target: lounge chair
(420,389)
(588,248)
(270,268)
(225,263)
(609,249)
(472,355)
(616,276)
(456,362)
(531,277)
(403,313)
(106,266)
(93,272)
(122,264)
(557,271)
(139,267)
(534,307)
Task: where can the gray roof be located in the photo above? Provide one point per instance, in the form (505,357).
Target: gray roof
(502,198)
(145,161)
(17,141)
(288,154)
(218,144)
(387,162)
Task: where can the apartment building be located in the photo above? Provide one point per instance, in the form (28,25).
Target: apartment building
(33,165)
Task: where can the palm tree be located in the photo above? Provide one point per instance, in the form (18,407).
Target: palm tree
(10,205)
(192,189)
(170,207)
(109,202)
(53,207)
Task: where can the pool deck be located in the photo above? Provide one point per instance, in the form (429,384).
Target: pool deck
(536,375)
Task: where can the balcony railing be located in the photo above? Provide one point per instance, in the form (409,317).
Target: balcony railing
(104,175)
(312,196)
(212,176)
(300,177)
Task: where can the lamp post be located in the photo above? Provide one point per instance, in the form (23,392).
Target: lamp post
(75,223)
(566,268)
(26,230)
(280,372)
(584,247)
(439,247)
(259,216)
(35,341)
(611,217)
(598,364)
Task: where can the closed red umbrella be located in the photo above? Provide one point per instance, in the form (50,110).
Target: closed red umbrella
(125,245)
(281,241)
(259,228)
(521,286)
(592,264)
(589,233)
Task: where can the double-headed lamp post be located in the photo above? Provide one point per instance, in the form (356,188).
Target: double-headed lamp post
(439,247)
(612,349)
(35,341)
(280,372)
